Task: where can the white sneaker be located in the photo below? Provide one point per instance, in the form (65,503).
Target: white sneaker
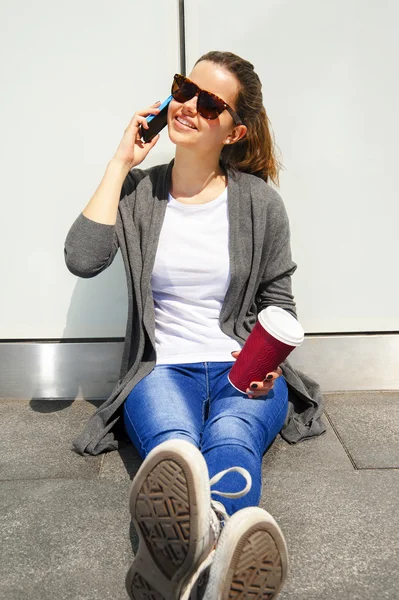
(175,519)
(250,560)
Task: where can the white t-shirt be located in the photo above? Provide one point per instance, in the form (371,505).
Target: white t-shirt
(189,282)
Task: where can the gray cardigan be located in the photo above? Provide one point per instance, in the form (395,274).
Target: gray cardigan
(261,269)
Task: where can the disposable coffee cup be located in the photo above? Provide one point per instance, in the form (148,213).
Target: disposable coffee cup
(275,335)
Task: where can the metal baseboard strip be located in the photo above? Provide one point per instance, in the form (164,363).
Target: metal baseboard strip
(90,369)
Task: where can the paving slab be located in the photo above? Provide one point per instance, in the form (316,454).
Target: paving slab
(73,539)
(368,425)
(66,539)
(122,464)
(342,533)
(36,439)
(65,529)
(324,452)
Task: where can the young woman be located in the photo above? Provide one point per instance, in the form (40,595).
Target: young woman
(209,239)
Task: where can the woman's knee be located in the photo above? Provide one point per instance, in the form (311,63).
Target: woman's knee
(253,426)
(145,439)
(230,429)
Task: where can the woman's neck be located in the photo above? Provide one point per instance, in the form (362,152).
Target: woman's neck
(192,176)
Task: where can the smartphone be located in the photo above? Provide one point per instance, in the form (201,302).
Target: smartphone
(156,122)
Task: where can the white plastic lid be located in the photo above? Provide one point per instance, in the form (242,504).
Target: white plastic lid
(281,325)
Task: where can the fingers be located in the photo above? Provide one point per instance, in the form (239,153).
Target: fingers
(262,388)
(273,375)
(139,116)
(139,120)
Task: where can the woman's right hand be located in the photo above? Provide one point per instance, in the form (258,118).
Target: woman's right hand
(132,150)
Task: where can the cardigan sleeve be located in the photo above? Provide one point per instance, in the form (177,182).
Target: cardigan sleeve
(90,247)
(275,288)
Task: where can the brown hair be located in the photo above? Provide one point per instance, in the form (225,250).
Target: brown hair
(256,152)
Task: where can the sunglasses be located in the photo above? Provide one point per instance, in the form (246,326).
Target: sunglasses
(209,105)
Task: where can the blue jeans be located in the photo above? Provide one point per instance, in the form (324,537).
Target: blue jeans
(196,402)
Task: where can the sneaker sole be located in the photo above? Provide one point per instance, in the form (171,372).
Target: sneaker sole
(251,559)
(169,505)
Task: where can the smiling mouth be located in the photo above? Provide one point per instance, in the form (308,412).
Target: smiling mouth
(183,125)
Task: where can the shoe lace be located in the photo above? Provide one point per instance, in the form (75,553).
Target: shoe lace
(222,515)
(221,474)
(217,506)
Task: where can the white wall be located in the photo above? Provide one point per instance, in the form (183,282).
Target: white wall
(72,76)
(331,89)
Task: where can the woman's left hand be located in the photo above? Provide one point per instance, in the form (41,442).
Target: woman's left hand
(262,388)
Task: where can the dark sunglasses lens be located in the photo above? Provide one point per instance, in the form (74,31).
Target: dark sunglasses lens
(208,106)
(182,90)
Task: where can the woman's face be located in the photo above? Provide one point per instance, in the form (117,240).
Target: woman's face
(207,133)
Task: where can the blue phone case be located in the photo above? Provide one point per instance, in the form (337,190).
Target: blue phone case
(156,122)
